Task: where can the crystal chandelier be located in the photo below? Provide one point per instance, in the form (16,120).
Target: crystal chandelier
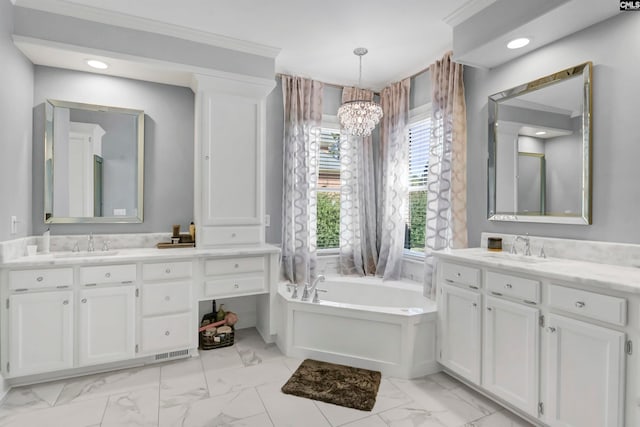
(359,117)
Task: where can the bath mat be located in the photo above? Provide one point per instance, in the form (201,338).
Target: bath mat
(338,384)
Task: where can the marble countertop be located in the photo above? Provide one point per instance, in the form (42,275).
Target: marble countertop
(590,274)
(132,255)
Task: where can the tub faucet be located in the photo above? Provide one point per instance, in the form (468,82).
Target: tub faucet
(90,247)
(308,289)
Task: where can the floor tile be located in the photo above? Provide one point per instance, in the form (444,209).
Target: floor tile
(228,409)
(445,380)
(77,414)
(372,421)
(92,386)
(411,415)
(181,382)
(28,398)
(260,420)
(500,419)
(292,363)
(220,358)
(286,410)
(475,399)
(389,396)
(252,349)
(137,408)
(233,380)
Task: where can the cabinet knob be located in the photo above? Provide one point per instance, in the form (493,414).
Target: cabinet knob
(65,302)
(206,157)
(551,329)
(489,309)
(233,234)
(167,298)
(458,274)
(580,304)
(84,300)
(508,286)
(236,286)
(107,275)
(167,333)
(236,266)
(168,271)
(39,278)
(474,304)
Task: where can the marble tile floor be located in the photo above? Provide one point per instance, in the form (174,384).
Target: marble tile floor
(239,386)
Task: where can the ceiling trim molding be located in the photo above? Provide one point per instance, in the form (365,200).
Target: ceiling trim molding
(89,13)
(466,11)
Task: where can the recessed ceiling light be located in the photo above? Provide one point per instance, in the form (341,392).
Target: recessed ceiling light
(94,63)
(541,132)
(518,43)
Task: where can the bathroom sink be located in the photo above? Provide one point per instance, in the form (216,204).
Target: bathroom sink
(84,254)
(514,258)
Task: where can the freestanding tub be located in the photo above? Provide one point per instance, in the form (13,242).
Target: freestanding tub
(364,322)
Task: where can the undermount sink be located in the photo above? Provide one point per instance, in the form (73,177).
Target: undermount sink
(83,254)
(530,259)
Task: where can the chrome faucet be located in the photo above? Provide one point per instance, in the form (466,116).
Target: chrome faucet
(527,244)
(90,247)
(308,289)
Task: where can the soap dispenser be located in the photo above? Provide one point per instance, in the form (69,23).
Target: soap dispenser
(46,241)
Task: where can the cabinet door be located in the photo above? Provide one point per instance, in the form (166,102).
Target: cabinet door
(585,374)
(459,315)
(40,332)
(107,324)
(511,344)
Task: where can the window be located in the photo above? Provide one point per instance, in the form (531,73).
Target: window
(416,211)
(328,191)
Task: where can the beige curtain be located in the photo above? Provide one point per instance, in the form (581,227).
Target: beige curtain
(358,248)
(447,180)
(302,119)
(394,178)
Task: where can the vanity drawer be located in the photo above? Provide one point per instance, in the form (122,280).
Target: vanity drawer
(590,304)
(513,286)
(234,265)
(456,273)
(49,278)
(230,235)
(167,270)
(167,333)
(108,274)
(164,298)
(235,286)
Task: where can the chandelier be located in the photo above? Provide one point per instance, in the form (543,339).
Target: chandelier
(359,117)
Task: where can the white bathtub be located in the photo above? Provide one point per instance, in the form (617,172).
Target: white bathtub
(364,322)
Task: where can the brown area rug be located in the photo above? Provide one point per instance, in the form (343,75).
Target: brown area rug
(338,384)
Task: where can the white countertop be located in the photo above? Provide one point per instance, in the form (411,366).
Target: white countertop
(135,254)
(605,276)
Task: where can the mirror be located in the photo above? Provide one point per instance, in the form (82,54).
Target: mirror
(93,163)
(540,150)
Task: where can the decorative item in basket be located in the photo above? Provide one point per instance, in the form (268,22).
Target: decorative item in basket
(219,333)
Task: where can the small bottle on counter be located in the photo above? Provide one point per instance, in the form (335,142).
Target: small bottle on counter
(192,232)
(494,244)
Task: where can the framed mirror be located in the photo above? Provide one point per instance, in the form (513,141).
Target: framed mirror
(93,163)
(540,150)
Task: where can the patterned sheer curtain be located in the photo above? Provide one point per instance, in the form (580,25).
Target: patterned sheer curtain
(447,180)
(358,247)
(394,182)
(302,118)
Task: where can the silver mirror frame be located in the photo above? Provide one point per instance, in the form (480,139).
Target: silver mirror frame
(48,141)
(586,71)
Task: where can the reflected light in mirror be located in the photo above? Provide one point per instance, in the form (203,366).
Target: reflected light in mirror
(94,63)
(541,132)
(518,43)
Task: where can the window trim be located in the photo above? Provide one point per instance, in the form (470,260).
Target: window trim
(417,114)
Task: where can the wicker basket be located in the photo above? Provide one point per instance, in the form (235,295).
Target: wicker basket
(209,342)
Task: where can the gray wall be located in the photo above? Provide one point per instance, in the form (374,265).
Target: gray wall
(612,46)
(564,174)
(16,97)
(169,125)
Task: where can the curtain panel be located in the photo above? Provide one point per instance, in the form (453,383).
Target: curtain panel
(358,244)
(394,178)
(447,179)
(302,119)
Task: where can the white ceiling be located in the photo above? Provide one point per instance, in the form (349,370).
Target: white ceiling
(316,38)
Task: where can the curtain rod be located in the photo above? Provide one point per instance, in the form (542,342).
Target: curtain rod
(342,86)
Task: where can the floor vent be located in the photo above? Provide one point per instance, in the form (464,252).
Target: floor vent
(172,354)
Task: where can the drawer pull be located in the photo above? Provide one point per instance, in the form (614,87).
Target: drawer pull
(498,294)
(474,287)
(167,333)
(62,287)
(448,280)
(22,290)
(474,304)
(236,286)
(167,298)
(168,271)
(107,275)
(233,234)
(458,274)
(508,286)
(39,279)
(236,265)
(84,300)
(551,329)
(65,302)
(580,304)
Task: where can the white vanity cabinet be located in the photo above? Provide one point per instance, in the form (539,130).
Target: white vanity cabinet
(459,323)
(40,332)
